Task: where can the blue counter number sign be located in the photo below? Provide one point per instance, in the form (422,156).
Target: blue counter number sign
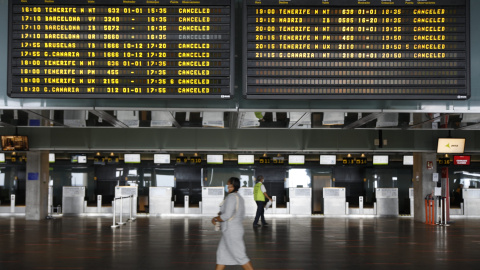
(33,176)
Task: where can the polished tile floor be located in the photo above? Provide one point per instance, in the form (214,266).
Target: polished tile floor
(190,243)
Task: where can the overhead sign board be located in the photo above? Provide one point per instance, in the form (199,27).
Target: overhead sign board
(214,159)
(132,158)
(451,145)
(353,49)
(246,159)
(407,160)
(121,49)
(328,159)
(296,159)
(51,157)
(380,160)
(161,158)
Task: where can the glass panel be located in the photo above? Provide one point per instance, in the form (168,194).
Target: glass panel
(218,177)
(298,178)
(164,178)
(79,179)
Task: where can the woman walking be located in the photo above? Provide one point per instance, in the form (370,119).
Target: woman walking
(231,249)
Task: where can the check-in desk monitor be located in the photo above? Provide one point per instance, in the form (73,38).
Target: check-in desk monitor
(212,197)
(300,201)
(160,200)
(125,191)
(73,200)
(471,200)
(334,201)
(387,201)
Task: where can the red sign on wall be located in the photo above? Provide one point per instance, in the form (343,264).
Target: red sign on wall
(461,160)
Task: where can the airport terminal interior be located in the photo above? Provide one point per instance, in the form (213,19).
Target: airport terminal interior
(121,122)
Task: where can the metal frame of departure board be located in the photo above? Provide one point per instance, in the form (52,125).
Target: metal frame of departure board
(121,49)
(356,49)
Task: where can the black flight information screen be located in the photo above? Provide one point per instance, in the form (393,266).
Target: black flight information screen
(121,48)
(356,49)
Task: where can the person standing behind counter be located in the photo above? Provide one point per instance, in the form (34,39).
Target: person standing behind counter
(259,194)
(231,249)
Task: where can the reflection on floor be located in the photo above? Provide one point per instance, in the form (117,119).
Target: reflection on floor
(190,243)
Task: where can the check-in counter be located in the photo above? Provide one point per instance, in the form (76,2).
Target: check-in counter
(160,200)
(12,209)
(124,191)
(387,201)
(247,195)
(73,200)
(212,197)
(334,201)
(300,201)
(471,202)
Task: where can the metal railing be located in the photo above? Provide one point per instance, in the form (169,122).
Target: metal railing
(114,206)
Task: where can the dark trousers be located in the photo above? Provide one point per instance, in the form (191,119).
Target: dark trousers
(260,212)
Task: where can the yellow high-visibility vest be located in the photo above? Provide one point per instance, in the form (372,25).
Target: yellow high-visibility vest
(257,192)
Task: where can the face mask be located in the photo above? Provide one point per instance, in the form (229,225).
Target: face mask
(226,188)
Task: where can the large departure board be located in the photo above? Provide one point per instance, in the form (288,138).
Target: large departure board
(121,48)
(356,49)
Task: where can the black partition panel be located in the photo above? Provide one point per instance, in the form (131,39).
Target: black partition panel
(352,179)
(188,182)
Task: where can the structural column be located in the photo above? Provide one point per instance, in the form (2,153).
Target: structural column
(36,197)
(424,165)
